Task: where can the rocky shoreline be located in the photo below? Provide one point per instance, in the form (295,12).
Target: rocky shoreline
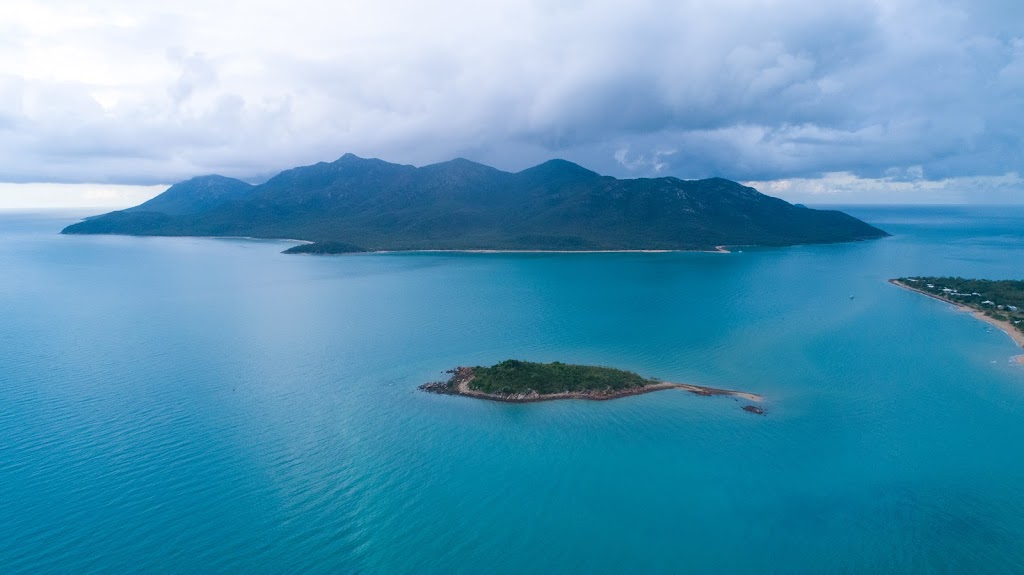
(459,384)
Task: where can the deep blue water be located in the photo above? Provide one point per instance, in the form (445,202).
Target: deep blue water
(202,405)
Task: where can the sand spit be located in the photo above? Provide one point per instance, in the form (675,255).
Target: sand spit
(1005,326)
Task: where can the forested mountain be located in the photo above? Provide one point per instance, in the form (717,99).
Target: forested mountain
(195,196)
(375,205)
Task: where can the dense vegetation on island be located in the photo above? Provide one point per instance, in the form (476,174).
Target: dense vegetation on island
(523,377)
(326,247)
(524,381)
(357,204)
(515,379)
(1002,300)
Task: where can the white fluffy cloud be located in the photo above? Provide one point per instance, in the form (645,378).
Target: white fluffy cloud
(897,187)
(30,196)
(142,93)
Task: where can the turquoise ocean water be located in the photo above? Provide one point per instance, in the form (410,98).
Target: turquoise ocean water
(202,405)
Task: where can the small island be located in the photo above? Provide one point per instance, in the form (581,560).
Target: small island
(523,381)
(997,302)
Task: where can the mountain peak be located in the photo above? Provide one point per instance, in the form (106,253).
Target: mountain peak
(460,164)
(558,168)
(196,195)
(460,161)
(349,157)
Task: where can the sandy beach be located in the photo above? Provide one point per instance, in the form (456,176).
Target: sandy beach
(244,238)
(1004,326)
(717,250)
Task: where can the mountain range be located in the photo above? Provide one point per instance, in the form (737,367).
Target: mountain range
(357,204)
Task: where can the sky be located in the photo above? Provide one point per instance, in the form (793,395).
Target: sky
(105,103)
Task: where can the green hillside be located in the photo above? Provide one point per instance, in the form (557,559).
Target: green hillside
(375,205)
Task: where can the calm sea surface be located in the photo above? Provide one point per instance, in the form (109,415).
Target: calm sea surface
(203,405)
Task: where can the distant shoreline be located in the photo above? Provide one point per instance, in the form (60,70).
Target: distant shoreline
(717,250)
(234,238)
(1004,326)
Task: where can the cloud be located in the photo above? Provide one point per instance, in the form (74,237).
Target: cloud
(28,196)
(197,73)
(138,93)
(656,161)
(898,187)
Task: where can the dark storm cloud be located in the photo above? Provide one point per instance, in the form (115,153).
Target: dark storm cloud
(748,89)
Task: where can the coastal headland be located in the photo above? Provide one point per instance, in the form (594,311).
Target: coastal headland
(979,302)
(514,381)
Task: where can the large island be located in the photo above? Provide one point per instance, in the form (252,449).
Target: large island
(356,204)
(523,381)
(997,302)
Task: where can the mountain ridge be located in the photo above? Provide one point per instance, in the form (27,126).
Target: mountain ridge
(371,204)
(195,195)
